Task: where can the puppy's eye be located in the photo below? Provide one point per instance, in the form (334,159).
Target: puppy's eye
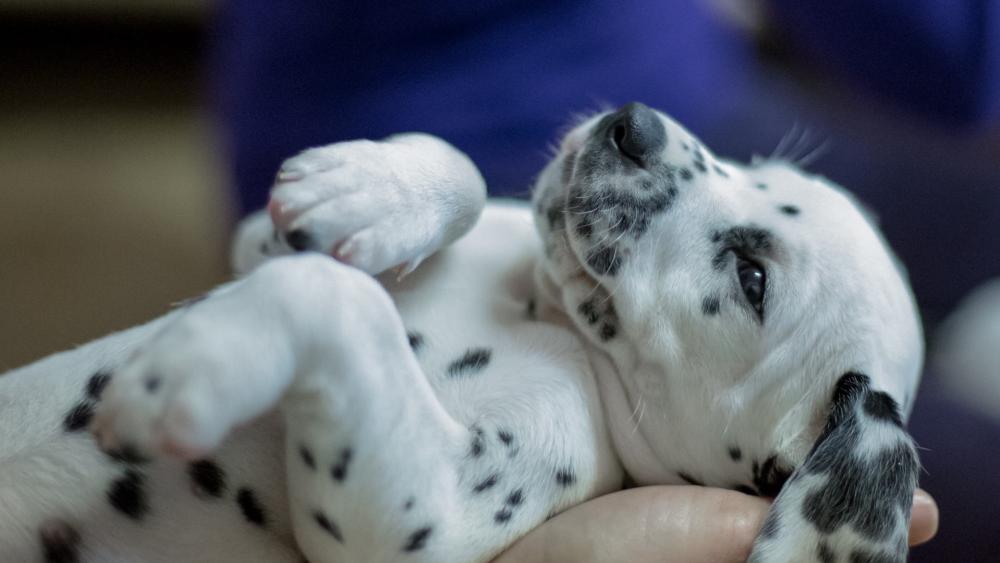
(752,281)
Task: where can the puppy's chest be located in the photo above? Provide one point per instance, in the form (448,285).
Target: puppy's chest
(746,456)
(476,336)
(693,437)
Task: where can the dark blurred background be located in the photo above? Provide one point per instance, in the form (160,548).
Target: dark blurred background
(135,132)
(112,203)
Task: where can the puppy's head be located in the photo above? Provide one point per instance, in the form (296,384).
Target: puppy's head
(699,269)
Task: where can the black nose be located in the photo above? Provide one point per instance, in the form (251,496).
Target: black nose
(638,132)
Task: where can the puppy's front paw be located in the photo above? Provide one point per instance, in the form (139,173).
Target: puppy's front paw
(364,202)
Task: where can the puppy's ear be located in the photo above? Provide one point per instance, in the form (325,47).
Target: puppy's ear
(850,499)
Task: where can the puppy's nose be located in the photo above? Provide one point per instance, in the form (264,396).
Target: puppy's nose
(638,132)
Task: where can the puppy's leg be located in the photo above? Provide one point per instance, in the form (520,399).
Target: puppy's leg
(850,500)
(371,204)
(373,460)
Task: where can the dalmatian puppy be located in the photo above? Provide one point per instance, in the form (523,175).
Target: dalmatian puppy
(461,371)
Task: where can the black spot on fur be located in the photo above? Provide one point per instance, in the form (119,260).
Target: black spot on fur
(207,478)
(770,476)
(760,186)
(710,306)
(328,525)
(689,479)
(502,516)
(60,542)
(78,418)
(127,495)
(408,505)
(790,210)
(505,437)
(881,406)
(530,309)
(608,331)
(307,457)
(473,361)
(619,211)
(97,383)
(250,506)
(486,483)
(515,498)
(153,383)
(824,554)
(865,493)
(604,260)
(339,469)
(700,166)
(589,311)
(718,170)
(686,174)
(416,340)
(418,539)
(735,453)
(557,218)
(565,477)
(478,442)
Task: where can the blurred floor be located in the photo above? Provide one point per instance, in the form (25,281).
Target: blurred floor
(112,204)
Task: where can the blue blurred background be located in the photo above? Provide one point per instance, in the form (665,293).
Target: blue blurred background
(900,98)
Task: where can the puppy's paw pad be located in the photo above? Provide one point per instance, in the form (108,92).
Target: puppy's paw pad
(162,401)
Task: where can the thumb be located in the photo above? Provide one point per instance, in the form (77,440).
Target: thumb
(677,524)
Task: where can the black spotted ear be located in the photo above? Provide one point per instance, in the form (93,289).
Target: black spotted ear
(859,478)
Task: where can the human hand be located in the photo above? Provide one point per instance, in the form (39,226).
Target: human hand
(680,524)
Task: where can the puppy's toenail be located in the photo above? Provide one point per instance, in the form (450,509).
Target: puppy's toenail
(299,240)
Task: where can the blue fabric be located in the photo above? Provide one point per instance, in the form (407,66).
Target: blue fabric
(497,81)
(935,58)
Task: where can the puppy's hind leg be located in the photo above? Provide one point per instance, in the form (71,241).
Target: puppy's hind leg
(372,457)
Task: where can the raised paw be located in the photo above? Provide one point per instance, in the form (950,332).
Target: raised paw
(375,204)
